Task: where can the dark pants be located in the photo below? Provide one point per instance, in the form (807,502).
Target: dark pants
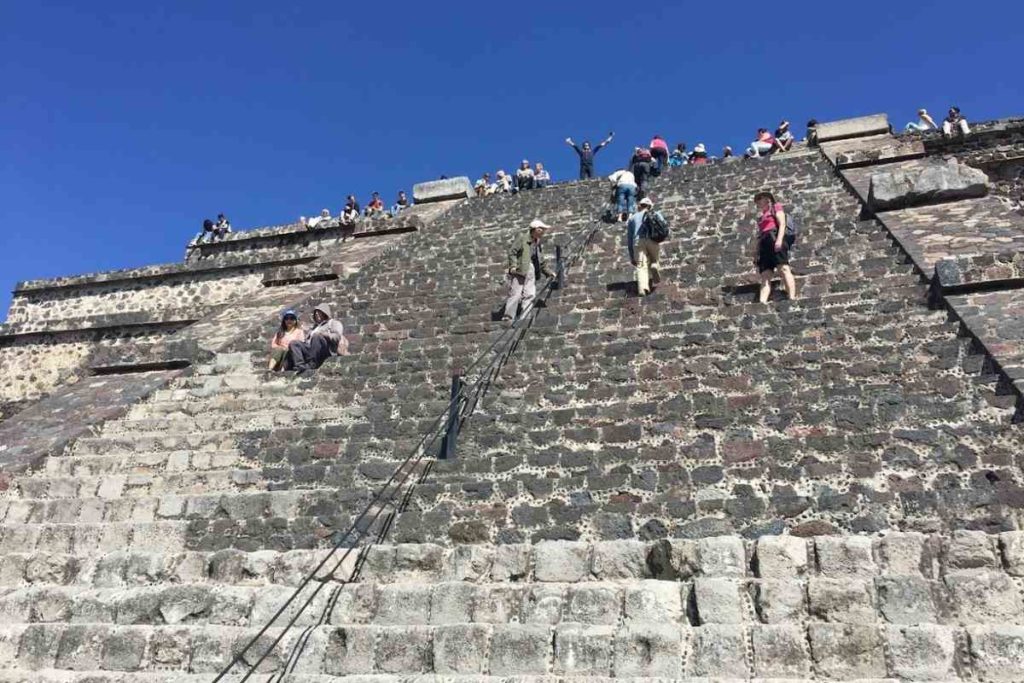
(309,355)
(641,171)
(525,183)
(661,156)
(586,171)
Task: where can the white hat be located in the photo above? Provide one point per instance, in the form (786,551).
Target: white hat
(538,223)
(699,149)
(646,201)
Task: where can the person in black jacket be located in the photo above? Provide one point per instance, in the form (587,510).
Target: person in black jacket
(587,154)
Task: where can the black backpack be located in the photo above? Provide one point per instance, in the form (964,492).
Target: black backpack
(654,227)
(792,224)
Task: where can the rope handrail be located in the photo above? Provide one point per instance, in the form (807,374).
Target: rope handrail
(385,497)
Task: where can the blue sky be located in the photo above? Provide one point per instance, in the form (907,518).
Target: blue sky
(124,124)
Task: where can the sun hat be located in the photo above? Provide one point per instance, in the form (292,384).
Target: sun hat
(538,223)
(646,201)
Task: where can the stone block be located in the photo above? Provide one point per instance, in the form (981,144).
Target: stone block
(935,181)
(781,557)
(845,601)
(468,563)
(649,650)
(861,126)
(594,604)
(922,653)
(719,601)
(441,190)
(500,604)
(1011,544)
(781,602)
(847,651)
(722,556)
(844,556)
(212,650)
(780,651)
(620,560)
(159,537)
(544,604)
(81,647)
(356,604)
(452,603)
(583,650)
(461,648)
(719,651)
(905,553)
(403,604)
(673,559)
(981,596)
(520,650)
(418,562)
(562,561)
(124,649)
(171,648)
(350,650)
(997,652)
(653,601)
(971,550)
(405,650)
(906,599)
(511,562)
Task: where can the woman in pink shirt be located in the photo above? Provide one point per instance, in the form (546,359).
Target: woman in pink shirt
(289,331)
(764,144)
(772,245)
(659,150)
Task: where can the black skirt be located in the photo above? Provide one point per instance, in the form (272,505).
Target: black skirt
(767,257)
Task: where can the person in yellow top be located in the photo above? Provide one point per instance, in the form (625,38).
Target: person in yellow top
(289,331)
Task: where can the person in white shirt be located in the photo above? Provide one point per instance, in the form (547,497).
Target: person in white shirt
(524,176)
(924,122)
(541,177)
(316,221)
(624,183)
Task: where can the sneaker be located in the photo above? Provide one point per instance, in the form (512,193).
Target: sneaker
(655,276)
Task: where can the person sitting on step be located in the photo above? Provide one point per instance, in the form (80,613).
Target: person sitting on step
(401,204)
(222,227)
(376,205)
(541,177)
(727,154)
(763,145)
(483,186)
(502,182)
(699,156)
(289,331)
(525,265)
(783,137)
(678,156)
(326,339)
(923,124)
(524,176)
(643,251)
(772,245)
(954,120)
(314,222)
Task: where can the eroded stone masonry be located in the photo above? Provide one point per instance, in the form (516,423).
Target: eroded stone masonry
(689,486)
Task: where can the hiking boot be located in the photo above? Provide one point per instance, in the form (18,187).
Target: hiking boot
(655,276)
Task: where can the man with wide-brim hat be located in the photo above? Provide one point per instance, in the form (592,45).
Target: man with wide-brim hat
(525,265)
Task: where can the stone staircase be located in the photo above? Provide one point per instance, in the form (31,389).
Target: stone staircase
(685,487)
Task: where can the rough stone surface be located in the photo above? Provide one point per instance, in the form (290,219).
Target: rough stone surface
(861,126)
(440,190)
(934,182)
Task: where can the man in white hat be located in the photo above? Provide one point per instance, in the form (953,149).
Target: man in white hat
(525,264)
(643,251)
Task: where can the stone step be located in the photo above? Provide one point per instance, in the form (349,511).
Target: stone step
(169,463)
(92,539)
(640,648)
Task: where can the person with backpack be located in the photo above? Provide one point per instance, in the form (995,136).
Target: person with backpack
(587,154)
(774,238)
(645,231)
(640,165)
(955,120)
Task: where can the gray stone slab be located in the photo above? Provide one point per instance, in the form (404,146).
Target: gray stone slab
(441,190)
(853,128)
(871,150)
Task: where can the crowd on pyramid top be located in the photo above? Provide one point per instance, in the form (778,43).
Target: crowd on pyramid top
(646,161)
